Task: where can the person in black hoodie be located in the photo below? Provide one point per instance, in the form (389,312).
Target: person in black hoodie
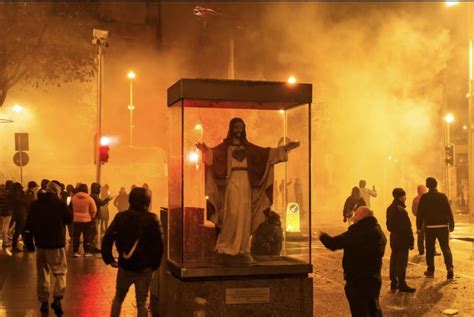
(364,247)
(137,236)
(435,213)
(47,220)
(401,241)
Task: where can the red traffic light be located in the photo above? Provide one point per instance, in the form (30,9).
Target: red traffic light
(104,153)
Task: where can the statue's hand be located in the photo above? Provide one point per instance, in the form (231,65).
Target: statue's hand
(202,147)
(292,145)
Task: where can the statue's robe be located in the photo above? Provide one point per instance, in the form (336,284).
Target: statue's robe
(239,187)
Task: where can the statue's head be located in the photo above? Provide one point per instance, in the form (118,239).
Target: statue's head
(236,130)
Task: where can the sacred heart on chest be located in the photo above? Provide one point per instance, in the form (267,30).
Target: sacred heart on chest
(239,154)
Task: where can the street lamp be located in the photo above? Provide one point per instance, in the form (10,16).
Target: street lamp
(17,108)
(131,75)
(291,80)
(470,149)
(451,3)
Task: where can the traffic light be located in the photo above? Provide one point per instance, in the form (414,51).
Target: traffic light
(104,153)
(449,151)
(104,149)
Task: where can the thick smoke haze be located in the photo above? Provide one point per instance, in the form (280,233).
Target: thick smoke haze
(377,74)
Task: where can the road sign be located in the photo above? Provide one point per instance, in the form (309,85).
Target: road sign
(21,159)
(21,142)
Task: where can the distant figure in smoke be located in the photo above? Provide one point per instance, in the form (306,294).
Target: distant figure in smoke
(364,246)
(352,202)
(97,220)
(434,212)
(365,193)
(44,184)
(283,188)
(104,209)
(401,241)
(18,206)
(121,201)
(421,233)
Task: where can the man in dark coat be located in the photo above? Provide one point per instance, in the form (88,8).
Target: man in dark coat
(47,220)
(364,247)
(435,213)
(137,236)
(401,240)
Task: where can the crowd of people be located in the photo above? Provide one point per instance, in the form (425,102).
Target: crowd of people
(42,214)
(364,243)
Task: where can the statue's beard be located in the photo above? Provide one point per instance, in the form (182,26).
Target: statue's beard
(238,135)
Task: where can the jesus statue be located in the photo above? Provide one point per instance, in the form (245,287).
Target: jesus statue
(239,187)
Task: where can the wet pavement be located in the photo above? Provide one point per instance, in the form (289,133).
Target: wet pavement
(90,284)
(89,291)
(431,297)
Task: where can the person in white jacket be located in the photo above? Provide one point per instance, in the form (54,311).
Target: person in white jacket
(84,210)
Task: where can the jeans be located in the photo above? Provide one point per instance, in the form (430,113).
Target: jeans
(5,225)
(51,269)
(95,234)
(363,296)
(398,266)
(442,234)
(78,229)
(125,279)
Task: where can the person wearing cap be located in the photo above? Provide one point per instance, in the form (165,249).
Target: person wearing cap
(364,246)
(434,212)
(137,237)
(401,241)
(47,220)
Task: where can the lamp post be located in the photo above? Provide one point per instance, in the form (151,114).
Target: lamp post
(131,75)
(449,118)
(99,39)
(470,149)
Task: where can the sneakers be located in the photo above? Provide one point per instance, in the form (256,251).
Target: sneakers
(76,255)
(88,255)
(44,307)
(450,275)
(429,273)
(56,306)
(406,289)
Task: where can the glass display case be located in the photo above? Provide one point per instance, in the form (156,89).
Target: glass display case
(239,178)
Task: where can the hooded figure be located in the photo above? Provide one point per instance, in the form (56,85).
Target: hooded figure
(239,187)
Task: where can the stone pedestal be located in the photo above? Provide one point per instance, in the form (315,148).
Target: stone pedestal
(282,296)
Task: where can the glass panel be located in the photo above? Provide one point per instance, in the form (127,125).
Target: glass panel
(296,175)
(206,195)
(175,185)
